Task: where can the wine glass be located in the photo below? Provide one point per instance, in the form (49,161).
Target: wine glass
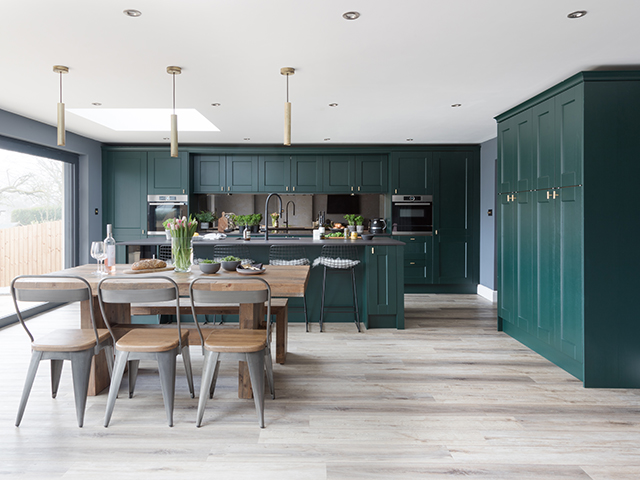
(98,252)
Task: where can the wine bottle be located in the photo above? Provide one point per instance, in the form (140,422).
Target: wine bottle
(110,247)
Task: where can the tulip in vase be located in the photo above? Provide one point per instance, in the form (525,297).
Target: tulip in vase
(182,231)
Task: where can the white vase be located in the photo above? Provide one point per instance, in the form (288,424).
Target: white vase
(360,228)
(204,225)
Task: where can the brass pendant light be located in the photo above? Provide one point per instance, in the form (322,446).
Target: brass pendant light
(287,106)
(174,118)
(60,69)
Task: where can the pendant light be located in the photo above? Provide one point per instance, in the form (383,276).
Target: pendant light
(60,69)
(287,106)
(174,118)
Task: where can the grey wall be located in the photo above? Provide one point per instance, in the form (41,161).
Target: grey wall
(89,171)
(488,165)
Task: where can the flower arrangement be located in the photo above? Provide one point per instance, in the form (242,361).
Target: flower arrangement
(274,219)
(182,231)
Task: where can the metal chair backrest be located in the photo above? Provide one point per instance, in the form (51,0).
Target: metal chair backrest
(28,288)
(208,296)
(345,252)
(287,255)
(135,290)
(240,251)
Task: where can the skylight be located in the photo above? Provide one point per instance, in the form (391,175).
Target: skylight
(146,119)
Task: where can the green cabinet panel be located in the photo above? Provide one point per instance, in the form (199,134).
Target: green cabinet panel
(515,140)
(306,174)
(371,173)
(167,175)
(569,111)
(418,259)
(274,174)
(338,174)
(411,173)
(506,273)
(209,173)
(453,218)
(242,173)
(544,132)
(524,223)
(382,296)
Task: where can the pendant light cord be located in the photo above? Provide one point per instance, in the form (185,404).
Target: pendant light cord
(174,92)
(60,87)
(287,88)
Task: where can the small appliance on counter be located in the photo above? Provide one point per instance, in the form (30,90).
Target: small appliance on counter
(378,225)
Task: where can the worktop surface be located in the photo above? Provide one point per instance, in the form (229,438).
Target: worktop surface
(274,240)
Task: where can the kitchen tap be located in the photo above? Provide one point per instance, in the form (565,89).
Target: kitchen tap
(286,213)
(266,214)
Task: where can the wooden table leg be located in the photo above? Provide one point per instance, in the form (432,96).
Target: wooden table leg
(282,324)
(99,377)
(250,315)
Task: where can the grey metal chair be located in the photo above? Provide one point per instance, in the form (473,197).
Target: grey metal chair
(224,250)
(163,345)
(251,346)
(76,345)
(291,255)
(339,258)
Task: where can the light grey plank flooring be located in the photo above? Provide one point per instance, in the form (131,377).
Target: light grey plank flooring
(447,397)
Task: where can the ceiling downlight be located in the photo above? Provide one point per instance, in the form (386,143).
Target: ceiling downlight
(577,14)
(132,13)
(351,15)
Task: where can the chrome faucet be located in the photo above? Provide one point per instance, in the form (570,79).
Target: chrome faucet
(266,214)
(286,213)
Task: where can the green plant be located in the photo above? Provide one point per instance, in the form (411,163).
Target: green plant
(206,216)
(350,218)
(206,260)
(255,219)
(230,258)
(241,220)
(359,220)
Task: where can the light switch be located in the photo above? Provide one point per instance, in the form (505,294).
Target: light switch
(490,212)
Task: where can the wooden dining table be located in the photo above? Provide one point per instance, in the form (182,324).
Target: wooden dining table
(284,281)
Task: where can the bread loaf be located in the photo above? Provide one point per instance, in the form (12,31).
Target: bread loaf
(148,264)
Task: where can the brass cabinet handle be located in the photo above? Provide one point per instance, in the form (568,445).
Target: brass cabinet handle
(372,250)
(555,195)
(294,189)
(222,189)
(352,188)
(412,238)
(548,194)
(412,263)
(287,188)
(358,188)
(395,191)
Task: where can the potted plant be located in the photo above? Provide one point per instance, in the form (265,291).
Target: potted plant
(359,223)
(351,221)
(241,221)
(254,222)
(206,217)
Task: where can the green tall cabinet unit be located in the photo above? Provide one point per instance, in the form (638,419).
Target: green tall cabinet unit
(568,226)
(167,175)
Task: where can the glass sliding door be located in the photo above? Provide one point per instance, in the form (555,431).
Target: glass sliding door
(37,213)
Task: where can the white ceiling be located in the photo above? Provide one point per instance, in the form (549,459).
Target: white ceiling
(394,72)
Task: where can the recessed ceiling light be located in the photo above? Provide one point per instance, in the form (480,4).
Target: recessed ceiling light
(215,104)
(577,14)
(409,139)
(456,105)
(327,139)
(165,138)
(351,15)
(96,104)
(132,13)
(333,104)
(246,138)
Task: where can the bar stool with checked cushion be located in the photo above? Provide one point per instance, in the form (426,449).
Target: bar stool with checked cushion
(77,345)
(291,255)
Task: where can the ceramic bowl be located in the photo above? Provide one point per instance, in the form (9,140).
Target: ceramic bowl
(209,267)
(230,266)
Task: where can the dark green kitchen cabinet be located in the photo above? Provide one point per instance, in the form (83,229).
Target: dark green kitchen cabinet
(306,174)
(355,174)
(516,141)
(371,173)
(209,173)
(384,271)
(338,174)
(567,244)
(455,218)
(274,174)
(167,175)
(418,258)
(411,173)
(242,173)
(124,196)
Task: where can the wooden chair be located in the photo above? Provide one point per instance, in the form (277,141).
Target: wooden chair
(163,345)
(251,346)
(76,345)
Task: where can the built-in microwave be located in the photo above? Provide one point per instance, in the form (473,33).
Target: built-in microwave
(164,207)
(412,213)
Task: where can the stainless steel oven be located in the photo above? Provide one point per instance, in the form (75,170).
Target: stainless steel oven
(412,213)
(164,207)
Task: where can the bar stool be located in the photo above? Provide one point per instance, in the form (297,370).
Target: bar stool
(339,258)
(291,255)
(240,251)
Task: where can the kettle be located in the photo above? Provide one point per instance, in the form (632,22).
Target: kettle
(378,225)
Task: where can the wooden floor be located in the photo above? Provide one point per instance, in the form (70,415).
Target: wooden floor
(448,397)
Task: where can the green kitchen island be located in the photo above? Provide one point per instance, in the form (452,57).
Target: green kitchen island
(379,277)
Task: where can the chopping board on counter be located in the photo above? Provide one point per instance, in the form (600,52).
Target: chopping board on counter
(149,270)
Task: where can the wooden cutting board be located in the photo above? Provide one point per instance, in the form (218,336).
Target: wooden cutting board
(148,270)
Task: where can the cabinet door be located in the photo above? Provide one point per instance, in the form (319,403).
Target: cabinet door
(338,174)
(452,218)
(506,258)
(371,173)
(125,194)
(417,259)
(544,133)
(306,174)
(507,148)
(410,174)
(382,297)
(546,269)
(524,253)
(168,175)
(274,174)
(209,173)
(242,173)
(569,121)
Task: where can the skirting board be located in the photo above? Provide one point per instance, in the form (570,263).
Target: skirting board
(485,292)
